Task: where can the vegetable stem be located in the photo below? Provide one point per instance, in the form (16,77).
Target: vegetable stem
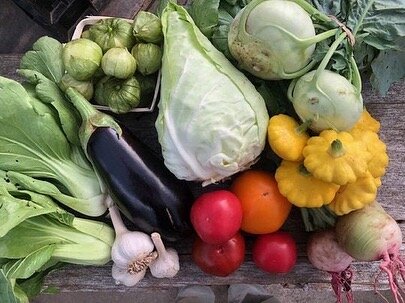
(303,170)
(157,241)
(356,78)
(320,37)
(336,148)
(329,55)
(313,11)
(117,222)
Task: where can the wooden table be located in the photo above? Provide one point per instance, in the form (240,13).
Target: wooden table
(304,283)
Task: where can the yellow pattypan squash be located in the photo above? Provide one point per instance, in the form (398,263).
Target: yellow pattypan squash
(301,188)
(286,138)
(378,182)
(336,157)
(354,195)
(367,122)
(378,150)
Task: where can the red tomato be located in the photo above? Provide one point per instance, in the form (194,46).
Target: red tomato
(219,259)
(216,216)
(275,252)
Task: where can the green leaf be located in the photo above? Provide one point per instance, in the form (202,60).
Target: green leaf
(388,67)
(40,148)
(71,245)
(25,267)
(11,206)
(49,92)
(7,294)
(205,15)
(33,286)
(46,188)
(45,58)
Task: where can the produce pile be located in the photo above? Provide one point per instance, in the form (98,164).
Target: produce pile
(260,107)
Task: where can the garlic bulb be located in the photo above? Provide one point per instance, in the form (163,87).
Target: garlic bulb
(166,265)
(132,252)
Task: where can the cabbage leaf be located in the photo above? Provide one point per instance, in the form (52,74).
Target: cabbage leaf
(212,122)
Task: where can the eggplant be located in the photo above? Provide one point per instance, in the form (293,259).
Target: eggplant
(145,191)
(139,182)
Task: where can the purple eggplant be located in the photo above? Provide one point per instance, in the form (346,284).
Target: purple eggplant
(145,191)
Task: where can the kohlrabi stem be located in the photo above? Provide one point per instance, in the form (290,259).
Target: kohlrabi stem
(356,77)
(329,55)
(320,37)
(117,222)
(303,127)
(312,10)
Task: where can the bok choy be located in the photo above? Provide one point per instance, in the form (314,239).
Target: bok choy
(212,122)
(37,236)
(32,143)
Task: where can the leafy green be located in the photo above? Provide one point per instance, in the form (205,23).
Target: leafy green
(40,149)
(205,15)
(201,126)
(379,30)
(45,58)
(48,92)
(34,245)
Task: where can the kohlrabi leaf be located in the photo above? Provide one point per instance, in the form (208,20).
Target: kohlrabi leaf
(388,67)
(382,20)
(33,143)
(45,58)
(205,15)
(25,267)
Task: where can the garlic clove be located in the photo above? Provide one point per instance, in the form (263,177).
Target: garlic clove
(167,263)
(122,276)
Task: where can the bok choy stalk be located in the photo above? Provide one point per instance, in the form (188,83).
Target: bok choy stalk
(37,236)
(212,122)
(33,144)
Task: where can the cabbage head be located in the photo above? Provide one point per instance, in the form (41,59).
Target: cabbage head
(212,122)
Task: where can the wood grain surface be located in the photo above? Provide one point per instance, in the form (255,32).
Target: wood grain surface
(304,279)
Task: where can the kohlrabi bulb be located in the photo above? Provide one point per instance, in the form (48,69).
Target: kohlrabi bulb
(81,58)
(328,99)
(272,39)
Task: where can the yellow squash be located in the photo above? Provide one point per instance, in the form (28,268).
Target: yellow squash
(301,188)
(367,122)
(336,157)
(354,195)
(286,137)
(378,150)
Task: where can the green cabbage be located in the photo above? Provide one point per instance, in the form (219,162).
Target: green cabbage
(212,122)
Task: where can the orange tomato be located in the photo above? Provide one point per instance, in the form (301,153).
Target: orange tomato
(264,209)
